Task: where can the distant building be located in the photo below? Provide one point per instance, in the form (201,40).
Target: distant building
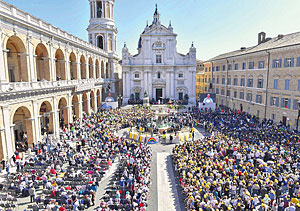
(263,80)
(199,78)
(157,68)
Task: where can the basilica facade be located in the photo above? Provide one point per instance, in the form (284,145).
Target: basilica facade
(158,69)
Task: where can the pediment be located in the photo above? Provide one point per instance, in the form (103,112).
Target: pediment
(159,82)
(159,30)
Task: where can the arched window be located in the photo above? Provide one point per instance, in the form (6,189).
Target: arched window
(158,75)
(100,42)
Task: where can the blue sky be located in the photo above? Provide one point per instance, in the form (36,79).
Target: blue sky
(215,26)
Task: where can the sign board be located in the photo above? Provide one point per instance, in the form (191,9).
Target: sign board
(84,86)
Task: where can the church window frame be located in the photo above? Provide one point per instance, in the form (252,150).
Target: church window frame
(99,43)
(158,58)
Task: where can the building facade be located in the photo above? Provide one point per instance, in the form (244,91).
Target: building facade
(263,80)
(48,78)
(157,68)
(199,79)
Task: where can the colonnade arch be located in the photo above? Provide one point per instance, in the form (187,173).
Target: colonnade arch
(46,118)
(63,112)
(73,66)
(83,67)
(98,98)
(98,74)
(92,100)
(75,107)
(23,127)
(16,60)
(91,68)
(60,65)
(85,103)
(42,63)
(102,70)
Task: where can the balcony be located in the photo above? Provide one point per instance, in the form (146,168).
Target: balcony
(25,86)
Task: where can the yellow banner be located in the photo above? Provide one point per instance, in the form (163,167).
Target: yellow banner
(130,135)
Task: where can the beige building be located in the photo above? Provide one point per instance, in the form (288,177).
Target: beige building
(263,80)
(48,77)
(199,78)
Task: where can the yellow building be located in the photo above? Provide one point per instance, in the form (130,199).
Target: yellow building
(199,78)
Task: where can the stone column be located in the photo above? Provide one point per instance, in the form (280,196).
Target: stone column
(172,96)
(70,116)
(94,68)
(3,68)
(80,107)
(168,83)
(8,133)
(87,68)
(52,63)
(31,62)
(124,84)
(150,88)
(88,94)
(36,121)
(145,82)
(67,65)
(78,67)
(95,101)
(55,117)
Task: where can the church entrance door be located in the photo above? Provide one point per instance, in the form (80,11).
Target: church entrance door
(158,94)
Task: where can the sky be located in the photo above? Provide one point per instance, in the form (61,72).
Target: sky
(215,26)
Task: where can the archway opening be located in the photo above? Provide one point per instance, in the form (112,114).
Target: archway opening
(85,103)
(97,69)
(73,67)
(42,63)
(106,71)
(92,100)
(82,67)
(91,68)
(98,99)
(102,70)
(100,43)
(60,65)
(23,129)
(46,118)
(75,107)
(63,112)
(16,60)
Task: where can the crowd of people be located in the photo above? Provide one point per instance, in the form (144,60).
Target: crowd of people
(244,164)
(64,173)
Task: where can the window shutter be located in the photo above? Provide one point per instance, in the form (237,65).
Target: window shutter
(289,103)
(298,62)
(298,85)
(271,100)
(256,99)
(277,101)
(285,62)
(273,65)
(292,62)
(263,64)
(262,83)
(281,105)
(280,60)
(295,105)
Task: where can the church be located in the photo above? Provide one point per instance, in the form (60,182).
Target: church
(158,69)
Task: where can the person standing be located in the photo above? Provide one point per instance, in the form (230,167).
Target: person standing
(32,194)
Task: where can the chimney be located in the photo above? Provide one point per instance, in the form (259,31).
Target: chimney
(280,36)
(261,37)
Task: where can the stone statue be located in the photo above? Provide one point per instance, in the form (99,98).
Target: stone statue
(99,12)
(146,94)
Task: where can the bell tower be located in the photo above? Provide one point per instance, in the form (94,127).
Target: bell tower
(102,30)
